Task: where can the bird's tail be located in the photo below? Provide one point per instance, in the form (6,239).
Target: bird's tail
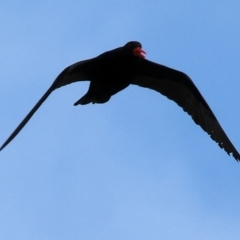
(86,99)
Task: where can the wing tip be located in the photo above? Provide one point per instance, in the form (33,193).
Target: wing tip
(3,146)
(236,156)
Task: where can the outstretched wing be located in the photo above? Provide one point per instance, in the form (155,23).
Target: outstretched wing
(178,87)
(71,74)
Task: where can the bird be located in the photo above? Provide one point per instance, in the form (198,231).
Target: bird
(115,70)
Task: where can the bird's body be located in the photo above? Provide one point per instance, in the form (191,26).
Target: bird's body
(109,73)
(115,70)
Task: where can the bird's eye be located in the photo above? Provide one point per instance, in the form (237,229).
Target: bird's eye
(129,45)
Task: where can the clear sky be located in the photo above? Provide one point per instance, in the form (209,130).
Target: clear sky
(136,167)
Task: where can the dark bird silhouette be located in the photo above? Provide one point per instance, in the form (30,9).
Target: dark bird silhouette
(115,70)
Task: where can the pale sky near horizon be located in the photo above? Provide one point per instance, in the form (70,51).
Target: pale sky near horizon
(136,167)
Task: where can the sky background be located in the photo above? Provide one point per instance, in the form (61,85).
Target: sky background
(136,167)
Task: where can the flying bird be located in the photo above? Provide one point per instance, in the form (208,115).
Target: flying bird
(115,70)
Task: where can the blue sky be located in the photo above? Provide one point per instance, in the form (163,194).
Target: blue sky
(136,167)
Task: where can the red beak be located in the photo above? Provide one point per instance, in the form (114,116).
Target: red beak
(139,52)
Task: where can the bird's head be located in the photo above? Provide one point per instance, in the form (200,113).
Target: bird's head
(135,48)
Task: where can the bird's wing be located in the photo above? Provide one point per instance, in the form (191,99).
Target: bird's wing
(178,87)
(71,74)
